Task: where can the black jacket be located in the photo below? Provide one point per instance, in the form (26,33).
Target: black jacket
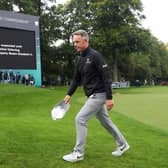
(92,72)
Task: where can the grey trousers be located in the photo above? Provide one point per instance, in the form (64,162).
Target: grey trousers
(95,106)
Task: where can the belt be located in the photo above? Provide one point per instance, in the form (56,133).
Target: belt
(97,94)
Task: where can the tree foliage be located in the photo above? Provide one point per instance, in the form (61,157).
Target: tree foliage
(115,30)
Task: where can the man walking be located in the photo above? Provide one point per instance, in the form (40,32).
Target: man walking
(92,72)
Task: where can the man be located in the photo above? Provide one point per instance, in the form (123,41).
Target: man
(92,72)
(1,76)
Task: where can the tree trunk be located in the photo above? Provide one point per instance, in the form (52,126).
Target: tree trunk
(115,69)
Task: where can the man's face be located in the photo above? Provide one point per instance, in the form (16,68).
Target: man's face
(80,43)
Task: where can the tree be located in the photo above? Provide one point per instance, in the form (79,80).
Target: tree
(116,28)
(6,5)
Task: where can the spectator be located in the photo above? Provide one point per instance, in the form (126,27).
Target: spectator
(32,80)
(6,77)
(18,77)
(1,76)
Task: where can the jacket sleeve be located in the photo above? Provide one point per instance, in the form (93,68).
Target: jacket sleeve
(102,68)
(75,80)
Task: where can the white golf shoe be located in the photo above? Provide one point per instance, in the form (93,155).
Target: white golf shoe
(73,157)
(120,150)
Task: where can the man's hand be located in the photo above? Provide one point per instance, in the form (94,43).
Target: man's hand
(109,104)
(67,99)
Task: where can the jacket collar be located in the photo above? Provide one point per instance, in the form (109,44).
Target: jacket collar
(85,52)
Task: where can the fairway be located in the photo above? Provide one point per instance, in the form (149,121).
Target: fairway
(148,105)
(29,138)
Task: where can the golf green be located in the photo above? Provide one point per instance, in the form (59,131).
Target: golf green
(148,105)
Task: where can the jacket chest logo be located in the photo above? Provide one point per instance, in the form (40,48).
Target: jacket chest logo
(88,61)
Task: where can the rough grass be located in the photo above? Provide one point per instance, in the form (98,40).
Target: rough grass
(30,139)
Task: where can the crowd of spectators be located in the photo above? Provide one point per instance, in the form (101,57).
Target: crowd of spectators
(16,78)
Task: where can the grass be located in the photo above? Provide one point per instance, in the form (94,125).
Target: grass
(148,105)
(30,139)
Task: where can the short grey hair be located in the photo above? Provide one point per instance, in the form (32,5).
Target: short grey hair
(82,33)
